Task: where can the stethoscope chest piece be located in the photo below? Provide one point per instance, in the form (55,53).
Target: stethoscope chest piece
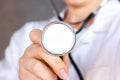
(58,38)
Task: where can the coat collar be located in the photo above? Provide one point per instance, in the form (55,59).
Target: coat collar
(103,17)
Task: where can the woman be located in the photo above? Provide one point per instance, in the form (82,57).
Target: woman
(96,52)
(47,67)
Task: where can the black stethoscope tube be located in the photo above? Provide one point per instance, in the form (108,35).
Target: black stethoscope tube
(84,24)
(70,57)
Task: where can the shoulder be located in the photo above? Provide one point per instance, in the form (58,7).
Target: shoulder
(22,34)
(20,39)
(108,16)
(110,10)
(32,25)
(28,26)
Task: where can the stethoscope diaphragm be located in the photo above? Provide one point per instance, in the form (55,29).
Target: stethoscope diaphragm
(58,38)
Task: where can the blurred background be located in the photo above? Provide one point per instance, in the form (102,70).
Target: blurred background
(15,13)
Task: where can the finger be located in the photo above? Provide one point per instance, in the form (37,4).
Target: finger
(66,60)
(55,62)
(39,69)
(26,75)
(35,36)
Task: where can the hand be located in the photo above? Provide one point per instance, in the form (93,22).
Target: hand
(37,64)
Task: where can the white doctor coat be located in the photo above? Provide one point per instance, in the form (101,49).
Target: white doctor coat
(97,50)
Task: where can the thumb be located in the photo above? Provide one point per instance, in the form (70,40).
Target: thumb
(35,36)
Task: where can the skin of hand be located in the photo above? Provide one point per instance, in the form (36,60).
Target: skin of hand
(37,64)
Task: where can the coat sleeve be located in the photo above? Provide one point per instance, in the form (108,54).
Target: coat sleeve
(19,41)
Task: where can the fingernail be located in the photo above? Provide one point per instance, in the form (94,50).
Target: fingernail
(63,74)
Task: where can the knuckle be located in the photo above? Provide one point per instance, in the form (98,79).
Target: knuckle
(56,61)
(49,78)
(28,49)
(20,75)
(54,77)
(35,67)
(33,48)
(20,61)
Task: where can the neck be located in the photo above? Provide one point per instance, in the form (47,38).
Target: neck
(80,13)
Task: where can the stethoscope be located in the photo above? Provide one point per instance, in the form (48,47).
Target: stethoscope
(59,38)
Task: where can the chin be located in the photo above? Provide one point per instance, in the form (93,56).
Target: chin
(74,2)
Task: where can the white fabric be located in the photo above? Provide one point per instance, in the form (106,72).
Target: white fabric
(97,50)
